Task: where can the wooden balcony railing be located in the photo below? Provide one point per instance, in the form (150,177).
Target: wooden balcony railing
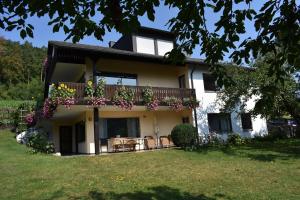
(160,93)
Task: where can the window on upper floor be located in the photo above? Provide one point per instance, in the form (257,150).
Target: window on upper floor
(145,45)
(246,121)
(210,82)
(181,81)
(164,46)
(112,78)
(219,122)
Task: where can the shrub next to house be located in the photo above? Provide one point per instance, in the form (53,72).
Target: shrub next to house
(184,135)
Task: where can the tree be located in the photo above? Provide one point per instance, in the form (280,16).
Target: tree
(273,98)
(20,68)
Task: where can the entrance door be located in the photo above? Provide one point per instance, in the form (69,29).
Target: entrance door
(65,133)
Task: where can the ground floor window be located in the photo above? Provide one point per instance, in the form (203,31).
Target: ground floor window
(119,127)
(219,122)
(246,121)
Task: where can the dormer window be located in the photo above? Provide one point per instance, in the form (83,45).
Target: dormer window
(153,46)
(164,46)
(145,45)
(147,41)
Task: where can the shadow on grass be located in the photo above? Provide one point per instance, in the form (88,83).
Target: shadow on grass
(260,151)
(159,193)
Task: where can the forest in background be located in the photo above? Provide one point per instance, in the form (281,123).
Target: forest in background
(21,69)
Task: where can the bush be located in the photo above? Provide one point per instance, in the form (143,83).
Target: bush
(235,139)
(274,134)
(38,141)
(184,135)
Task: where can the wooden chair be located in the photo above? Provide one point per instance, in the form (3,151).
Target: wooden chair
(130,144)
(164,141)
(150,142)
(117,144)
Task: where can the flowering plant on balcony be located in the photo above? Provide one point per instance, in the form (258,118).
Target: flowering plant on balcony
(174,103)
(48,108)
(123,97)
(191,103)
(89,89)
(62,94)
(149,100)
(95,95)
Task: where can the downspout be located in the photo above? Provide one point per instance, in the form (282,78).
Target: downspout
(195,112)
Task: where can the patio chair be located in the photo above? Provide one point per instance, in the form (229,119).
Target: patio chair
(164,141)
(130,144)
(150,142)
(116,144)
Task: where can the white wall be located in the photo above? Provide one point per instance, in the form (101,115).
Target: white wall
(209,104)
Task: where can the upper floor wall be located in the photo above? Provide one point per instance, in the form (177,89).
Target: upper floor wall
(146,74)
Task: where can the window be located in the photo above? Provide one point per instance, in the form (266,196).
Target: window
(219,122)
(164,46)
(145,45)
(209,82)
(181,80)
(124,127)
(246,121)
(112,78)
(185,120)
(80,131)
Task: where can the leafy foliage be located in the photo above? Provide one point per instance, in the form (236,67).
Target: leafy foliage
(191,102)
(149,100)
(123,97)
(20,70)
(39,142)
(272,98)
(174,103)
(235,139)
(184,135)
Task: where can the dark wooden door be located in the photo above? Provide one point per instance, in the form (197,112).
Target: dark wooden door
(65,133)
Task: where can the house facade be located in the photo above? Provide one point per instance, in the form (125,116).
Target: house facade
(135,62)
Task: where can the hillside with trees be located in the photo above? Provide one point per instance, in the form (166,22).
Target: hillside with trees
(21,70)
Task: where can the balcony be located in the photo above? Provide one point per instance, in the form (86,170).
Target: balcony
(159,93)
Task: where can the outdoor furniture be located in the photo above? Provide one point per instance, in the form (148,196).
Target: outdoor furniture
(116,144)
(150,142)
(130,144)
(164,141)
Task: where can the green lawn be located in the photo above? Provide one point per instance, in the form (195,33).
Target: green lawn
(250,172)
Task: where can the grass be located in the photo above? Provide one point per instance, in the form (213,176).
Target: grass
(261,171)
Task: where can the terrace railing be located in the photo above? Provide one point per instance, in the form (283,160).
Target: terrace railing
(160,93)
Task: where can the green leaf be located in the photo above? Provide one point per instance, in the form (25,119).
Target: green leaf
(56,28)
(29,32)
(23,33)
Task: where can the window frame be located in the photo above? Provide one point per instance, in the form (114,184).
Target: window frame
(163,41)
(149,38)
(219,131)
(248,115)
(118,75)
(211,79)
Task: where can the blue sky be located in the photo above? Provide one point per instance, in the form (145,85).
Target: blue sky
(43,32)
